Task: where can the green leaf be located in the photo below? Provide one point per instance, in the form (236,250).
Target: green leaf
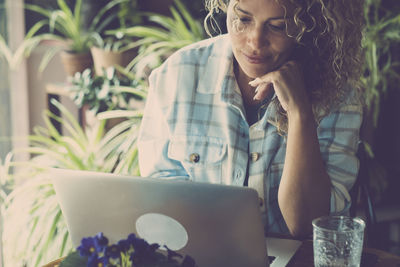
(74,260)
(164,21)
(35,28)
(100,14)
(180,30)
(77,13)
(64,243)
(131,90)
(65,8)
(194,26)
(97,28)
(50,53)
(38,9)
(120,114)
(145,32)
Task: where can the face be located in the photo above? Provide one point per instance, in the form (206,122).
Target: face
(257,29)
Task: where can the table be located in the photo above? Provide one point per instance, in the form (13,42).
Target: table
(370,258)
(304,258)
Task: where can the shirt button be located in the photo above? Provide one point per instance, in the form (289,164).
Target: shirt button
(254,156)
(194,157)
(238,174)
(261,201)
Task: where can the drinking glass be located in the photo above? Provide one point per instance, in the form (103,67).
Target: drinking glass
(338,241)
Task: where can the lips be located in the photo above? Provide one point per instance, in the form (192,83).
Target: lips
(255,59)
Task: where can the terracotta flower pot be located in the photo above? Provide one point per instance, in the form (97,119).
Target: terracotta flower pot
(76,62)
(103,59)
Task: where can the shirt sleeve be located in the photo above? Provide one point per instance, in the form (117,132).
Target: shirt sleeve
(154,135)
(338,135)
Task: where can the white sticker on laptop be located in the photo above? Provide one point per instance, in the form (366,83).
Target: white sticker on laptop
(162,229)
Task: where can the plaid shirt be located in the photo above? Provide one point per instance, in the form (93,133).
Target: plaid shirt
(194,127)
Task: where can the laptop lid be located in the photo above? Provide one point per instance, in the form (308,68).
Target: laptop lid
(217,225)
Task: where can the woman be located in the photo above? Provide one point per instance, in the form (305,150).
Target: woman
(272,104)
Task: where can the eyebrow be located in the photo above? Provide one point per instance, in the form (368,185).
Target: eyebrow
(249,14)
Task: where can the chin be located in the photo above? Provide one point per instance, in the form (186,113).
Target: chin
(256,72)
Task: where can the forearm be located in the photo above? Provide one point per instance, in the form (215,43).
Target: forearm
(304,191)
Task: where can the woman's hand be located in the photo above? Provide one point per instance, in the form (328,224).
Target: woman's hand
(288,84)
(304,189)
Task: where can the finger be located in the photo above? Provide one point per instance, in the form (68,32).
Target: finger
(257,81)
(266,78)
(262,91)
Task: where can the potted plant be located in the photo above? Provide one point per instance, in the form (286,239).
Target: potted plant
(131,251)
(63,26)
(116,50)
(380,76)
(68,23)
(35,231)
(165,35)
(112,51)
(109,91)
(379,70)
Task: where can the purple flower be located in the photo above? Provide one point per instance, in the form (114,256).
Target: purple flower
(87,247)
(100,242)
(124,245)
(95,261)
(143,251)
(131,238)
(140,245)
(100,254)
(113,251)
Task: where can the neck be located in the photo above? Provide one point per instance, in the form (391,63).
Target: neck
(247,91)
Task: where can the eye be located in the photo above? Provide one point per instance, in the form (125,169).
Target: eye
(277,28)
(244,20)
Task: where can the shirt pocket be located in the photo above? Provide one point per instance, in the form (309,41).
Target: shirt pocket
(201,156)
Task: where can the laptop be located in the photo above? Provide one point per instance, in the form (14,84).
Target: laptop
(217,225)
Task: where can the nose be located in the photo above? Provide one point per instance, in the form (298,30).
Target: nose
(257,38)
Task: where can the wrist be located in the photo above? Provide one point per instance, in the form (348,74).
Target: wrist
(303,116)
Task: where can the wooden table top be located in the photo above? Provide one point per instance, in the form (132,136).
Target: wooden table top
(304,258)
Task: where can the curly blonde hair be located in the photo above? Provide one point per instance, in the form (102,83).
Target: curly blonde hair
(328,35)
